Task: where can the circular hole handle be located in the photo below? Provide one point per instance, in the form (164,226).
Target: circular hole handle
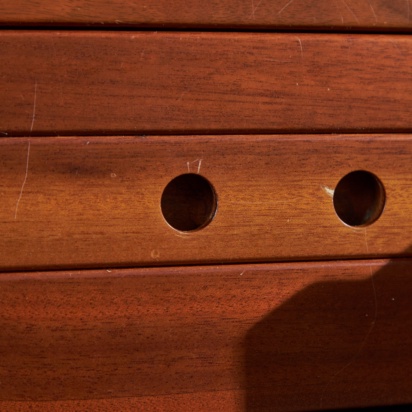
(189,202)
(359,198)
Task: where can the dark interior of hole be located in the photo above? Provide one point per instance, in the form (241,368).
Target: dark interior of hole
(359,198)
(188,202)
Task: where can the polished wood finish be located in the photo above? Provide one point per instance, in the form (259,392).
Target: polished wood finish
(95,201)
(231,400)
(297,336)
(383,15)
(76,83)
(237,337)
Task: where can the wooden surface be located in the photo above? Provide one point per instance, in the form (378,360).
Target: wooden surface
(244,337)
(231,400)
(95,201)
(297,336)
(380,15)
(76,83)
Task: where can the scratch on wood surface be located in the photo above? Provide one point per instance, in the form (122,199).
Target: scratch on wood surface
(366,241)
(340,13)
(155,254)
(359,351)
(278,61)
(24,181)
(328,190)
(394,44)
(301,47)
(4,133)
(254,8)
(199,164)
(33,117)
(182,234)
(60,81)
(373,11)
(285,6)
(364,340)
(350,10)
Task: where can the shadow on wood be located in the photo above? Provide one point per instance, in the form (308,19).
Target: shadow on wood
(315,334)
(333,345)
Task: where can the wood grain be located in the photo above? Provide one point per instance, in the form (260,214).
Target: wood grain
(77,83)
(275,14)
(95,201)
(232,400)
(298,336)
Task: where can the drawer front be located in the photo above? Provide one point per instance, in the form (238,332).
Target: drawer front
(83,202)
(348,15)
(76,83)
(248,337)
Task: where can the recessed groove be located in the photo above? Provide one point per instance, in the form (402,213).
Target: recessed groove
(233,132)
(199,28)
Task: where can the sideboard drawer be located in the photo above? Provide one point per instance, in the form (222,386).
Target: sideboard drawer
(290,336)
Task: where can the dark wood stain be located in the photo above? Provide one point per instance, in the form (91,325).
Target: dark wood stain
(164,83)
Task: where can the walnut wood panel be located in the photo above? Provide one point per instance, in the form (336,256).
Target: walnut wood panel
(297,336)
(96,201)
(231,400)
(63,83)
(283,14)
